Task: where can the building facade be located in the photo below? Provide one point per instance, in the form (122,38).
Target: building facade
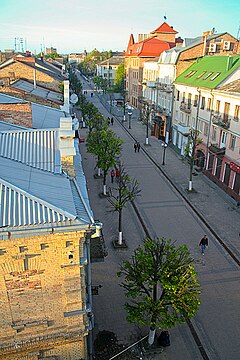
(107,68)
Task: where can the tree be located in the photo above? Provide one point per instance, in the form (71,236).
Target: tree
(161,285)
(119,79)
(106,146)
(127,190)
(190,152)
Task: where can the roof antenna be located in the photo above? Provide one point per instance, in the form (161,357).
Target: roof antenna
(165,17)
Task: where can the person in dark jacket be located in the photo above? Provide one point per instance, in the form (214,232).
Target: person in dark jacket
(203,243)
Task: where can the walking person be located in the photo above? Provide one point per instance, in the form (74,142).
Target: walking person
(203,243)
(135,147)
(113,175)
(117,174)
(138,147)
(112,121)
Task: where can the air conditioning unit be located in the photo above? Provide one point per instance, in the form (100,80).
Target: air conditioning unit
(226,45)
(212,47)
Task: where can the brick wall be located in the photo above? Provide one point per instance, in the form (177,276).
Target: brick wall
(19,70)
(68,165)
(18,114)
(42,288)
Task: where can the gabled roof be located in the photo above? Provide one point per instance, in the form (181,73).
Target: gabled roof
(233,87)
(209,72)
(164,29)
(150,47)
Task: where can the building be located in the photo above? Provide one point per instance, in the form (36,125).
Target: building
(27,67)
(76,58)
(51,50)
(107,68)
(46,225)
(173,62)
(207,100)
(148,47)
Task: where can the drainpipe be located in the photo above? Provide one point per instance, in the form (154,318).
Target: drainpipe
(168,138)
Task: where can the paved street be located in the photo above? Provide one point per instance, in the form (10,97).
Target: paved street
(166,214)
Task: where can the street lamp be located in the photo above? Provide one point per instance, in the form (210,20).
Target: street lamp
(164,151)
(129,118)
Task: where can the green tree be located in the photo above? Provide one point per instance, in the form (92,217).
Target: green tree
(119,79)
(106,146)
(190,152)
(161,284)
(126,191)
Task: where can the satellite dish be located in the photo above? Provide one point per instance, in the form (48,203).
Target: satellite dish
(73,99)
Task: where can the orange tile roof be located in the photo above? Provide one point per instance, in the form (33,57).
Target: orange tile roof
(165,28)
(150,47)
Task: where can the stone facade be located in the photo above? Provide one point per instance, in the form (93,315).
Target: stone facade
(18,114)
(18,70)
(42,297)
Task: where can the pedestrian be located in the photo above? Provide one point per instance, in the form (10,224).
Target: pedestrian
(117,174)
(138,146)
(135,147)
(112,121)
(108,120)
(113,175)
(91,94)
(203,243)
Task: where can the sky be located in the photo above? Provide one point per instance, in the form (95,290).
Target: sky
(77,25)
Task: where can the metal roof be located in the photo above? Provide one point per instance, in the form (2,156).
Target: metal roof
(44,117)
(4,126)
(38,90)
(36,148)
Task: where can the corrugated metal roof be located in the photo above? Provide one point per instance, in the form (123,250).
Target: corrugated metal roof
(18,208)
(4,126)
(51,188)
(36,148)
(6,99)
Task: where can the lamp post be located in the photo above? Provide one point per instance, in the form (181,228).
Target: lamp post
(147,125)
(129,118)
(164,151)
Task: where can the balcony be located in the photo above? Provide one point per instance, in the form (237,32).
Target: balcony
(183,129)
(164,111)
(186,107)
(216,149)
(222,121)
(151,84)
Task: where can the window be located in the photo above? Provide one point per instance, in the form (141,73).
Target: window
(22,249)
(207,76)
(214,133)
(232,142)
(176,117)
(206,128)
(199,76)
(183,97)
(190,73)
(189,100)
(224,137)
(195,100)
(203,103)
(215,76)
(209,101)
(178,95)
(193,122)
(237,112)
(200,126)
(181,117)
(226,111)
(187,120)
(218,106)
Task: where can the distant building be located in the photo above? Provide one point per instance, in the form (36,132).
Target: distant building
(51,50)
(76,58)
(149,46)
(107,68)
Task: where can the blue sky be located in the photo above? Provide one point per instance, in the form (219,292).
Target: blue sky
(75,25)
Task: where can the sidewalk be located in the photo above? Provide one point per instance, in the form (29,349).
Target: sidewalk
(217,277)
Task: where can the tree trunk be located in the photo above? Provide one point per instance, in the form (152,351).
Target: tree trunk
(104,183)
(152,330)
(99,172)
(151,335)
(120,227)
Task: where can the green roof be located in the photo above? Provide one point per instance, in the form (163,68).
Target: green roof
(209,72)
